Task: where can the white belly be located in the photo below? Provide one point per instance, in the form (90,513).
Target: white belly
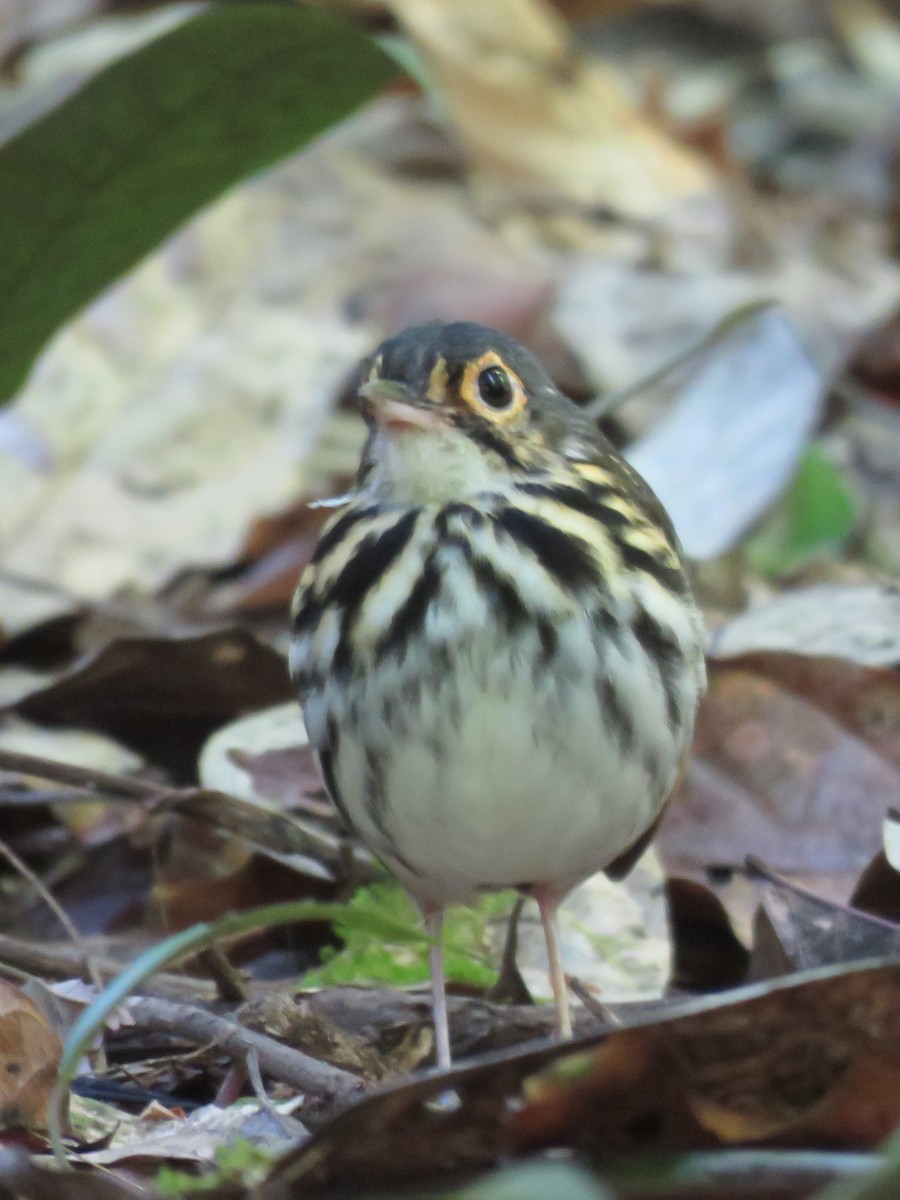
(483,767)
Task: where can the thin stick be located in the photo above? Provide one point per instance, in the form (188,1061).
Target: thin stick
(594,1006)
(88,970)
(227,977)
(602,406)
(277,831)
(62,961)
(318,1079)
(113,787)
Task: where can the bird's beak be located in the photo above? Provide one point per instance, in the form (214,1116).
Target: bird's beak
(392,405)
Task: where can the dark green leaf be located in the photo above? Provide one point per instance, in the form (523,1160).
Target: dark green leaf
(99,182)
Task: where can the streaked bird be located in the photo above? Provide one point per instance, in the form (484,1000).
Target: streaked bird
(495,645)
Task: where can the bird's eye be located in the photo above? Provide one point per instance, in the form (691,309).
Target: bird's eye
(495,387)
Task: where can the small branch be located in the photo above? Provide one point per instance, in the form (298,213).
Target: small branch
(20,797)
(594,1006)
(113,787)
(267,828)
(328,1086)
(88,972)
(226,976)
(50,961)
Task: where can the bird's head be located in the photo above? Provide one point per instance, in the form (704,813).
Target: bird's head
(458,409)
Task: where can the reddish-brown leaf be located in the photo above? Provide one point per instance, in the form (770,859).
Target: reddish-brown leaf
(164,696)
(796,760)
(30,1050)
(811,1063)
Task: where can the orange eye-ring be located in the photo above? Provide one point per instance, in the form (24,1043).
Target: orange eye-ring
(492,389)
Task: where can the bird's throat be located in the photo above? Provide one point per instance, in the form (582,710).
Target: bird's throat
(414,466)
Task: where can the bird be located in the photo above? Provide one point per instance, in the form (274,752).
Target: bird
(495,646)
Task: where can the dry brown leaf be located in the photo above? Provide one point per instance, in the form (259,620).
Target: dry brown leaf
(164,696)
(857,622)
(798,930)
(810,1060)
(707,954)
(30,1051)
(877,890)
(795,760)
(538,120)
(257,881)
(806,1062)
(23,1177)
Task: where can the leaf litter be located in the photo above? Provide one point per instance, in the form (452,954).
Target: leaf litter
(150,547)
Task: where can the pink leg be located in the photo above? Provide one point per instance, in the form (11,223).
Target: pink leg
(434,918)
(548,903)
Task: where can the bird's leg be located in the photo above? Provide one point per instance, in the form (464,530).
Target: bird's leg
(548,903)
(433,915)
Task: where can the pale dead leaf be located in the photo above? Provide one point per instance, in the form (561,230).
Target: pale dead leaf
(173,418)
(197,1137)
(725,451)
(276,728)
(857,622)
(77,746)
(253,760)
(614,937)
(891,836)
(24,21)
(62,1003)
(872,38)
(626,322)
(538,120)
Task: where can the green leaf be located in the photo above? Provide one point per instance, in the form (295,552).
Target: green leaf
(815,518)
(373,953)
(238,1162)
(94,186)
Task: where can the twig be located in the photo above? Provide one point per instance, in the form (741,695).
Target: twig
(63,962)
(594,1006)
(251,1063)
(267,828)
(232,1085)
(167,621)
(602,406)
(20,797)
(226,976)
(112,787)
(328,1086)
(88,971)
